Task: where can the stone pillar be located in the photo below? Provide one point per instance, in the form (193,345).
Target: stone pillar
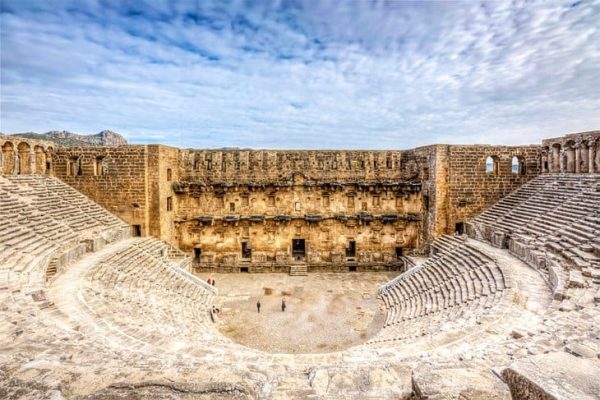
(1,163)
(32,166)
(544,155)
(577,158)
(561,160)
(591,157)
(17,163)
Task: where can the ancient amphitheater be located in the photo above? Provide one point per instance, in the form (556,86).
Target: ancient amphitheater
(475,270)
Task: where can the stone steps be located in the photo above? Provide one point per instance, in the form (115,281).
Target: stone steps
(298,270)
(459,277)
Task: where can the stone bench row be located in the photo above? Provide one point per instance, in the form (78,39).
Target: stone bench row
(431,325)
(137,267)
(457,276)
(60,202)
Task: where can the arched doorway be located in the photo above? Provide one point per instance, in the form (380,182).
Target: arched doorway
(8,155)
(24,158)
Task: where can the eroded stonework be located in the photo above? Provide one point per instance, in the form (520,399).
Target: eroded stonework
(89,310)
(268,210)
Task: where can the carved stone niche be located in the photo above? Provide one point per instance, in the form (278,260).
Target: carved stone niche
(400,238)
(259,257)
(314,257)
(230,258)
(376,226)
(282,257)
(388,257)
(337,258)
(364,257)
(298,179)
(207,258)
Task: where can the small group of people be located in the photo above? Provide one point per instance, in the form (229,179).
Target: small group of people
(210,281)
(283,305)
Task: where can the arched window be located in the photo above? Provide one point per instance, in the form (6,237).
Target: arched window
(518,166)
(99,167)
(491,165)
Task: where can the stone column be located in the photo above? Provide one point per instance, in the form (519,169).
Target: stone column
(17,163)
(544,154)
(561,160)
(591,157)
(577,158)
(32,166)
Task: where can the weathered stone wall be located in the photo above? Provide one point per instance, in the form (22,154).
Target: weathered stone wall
(433,177)
(19,156)
(245,208)
(376,218)
(163,171)
(265,166)
(576,152)
(114,177)
(366,202)
(471,188)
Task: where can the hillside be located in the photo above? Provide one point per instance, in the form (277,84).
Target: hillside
(65,138)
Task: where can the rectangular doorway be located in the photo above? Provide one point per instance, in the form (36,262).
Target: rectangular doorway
(398,252)
(246,250)
(351,249)
(136,230)
(298,249)
(459,228)
(197,253)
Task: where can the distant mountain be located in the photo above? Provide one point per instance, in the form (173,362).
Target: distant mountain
(65,138)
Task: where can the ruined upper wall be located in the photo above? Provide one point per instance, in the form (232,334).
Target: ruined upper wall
(25,156)
(114,177)
(271,166)
(578,137)
(479,176)
(576,153)
(132,181)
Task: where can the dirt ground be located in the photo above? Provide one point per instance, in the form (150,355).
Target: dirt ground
(325,311)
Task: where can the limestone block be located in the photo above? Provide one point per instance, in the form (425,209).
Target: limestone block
(553,376)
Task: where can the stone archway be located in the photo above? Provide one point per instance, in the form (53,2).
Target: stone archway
(24,158)
(40,159)
(8,156)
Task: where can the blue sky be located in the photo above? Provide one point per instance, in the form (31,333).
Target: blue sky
(314,74)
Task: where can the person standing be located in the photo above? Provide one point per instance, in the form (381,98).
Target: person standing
(283,305)
(258,306)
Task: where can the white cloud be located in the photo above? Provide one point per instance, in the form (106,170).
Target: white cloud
(316,75)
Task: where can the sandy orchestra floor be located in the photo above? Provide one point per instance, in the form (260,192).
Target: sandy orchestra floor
(325,311)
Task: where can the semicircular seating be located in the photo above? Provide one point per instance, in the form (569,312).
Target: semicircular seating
(458,283)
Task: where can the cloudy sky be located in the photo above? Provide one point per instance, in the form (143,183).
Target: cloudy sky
(315,74)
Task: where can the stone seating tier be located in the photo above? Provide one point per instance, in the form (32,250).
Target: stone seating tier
(553,224)
(457,280)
